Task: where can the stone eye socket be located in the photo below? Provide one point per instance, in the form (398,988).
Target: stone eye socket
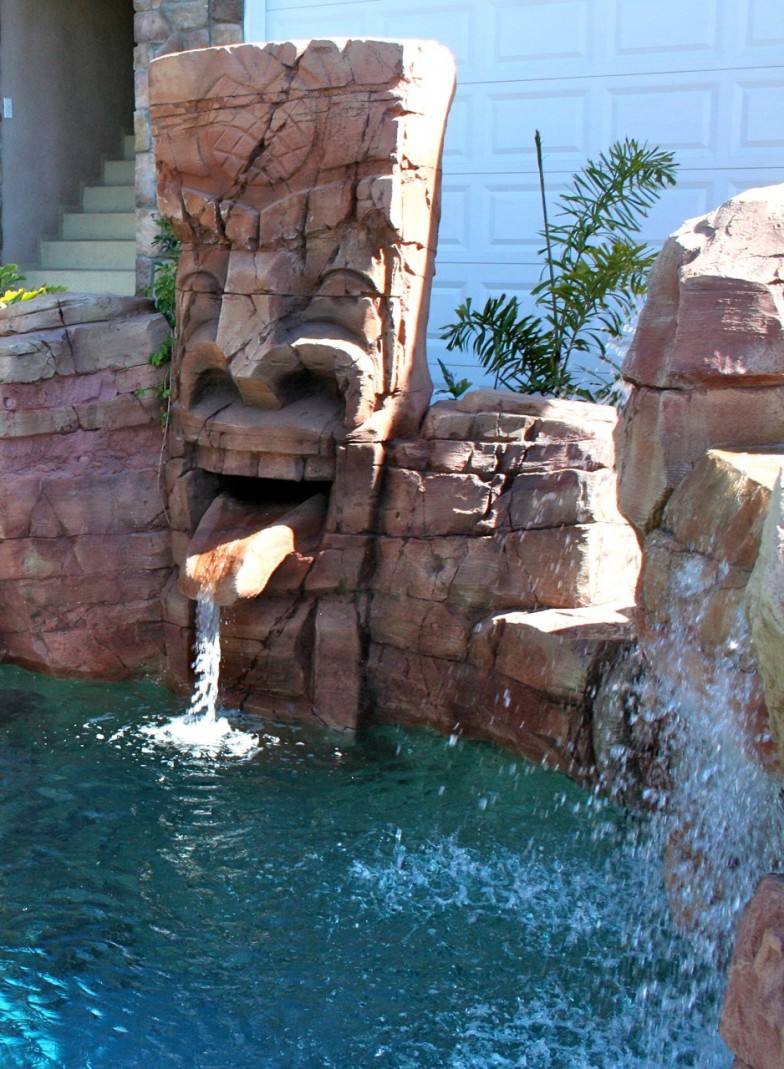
(349,301)
(345,283)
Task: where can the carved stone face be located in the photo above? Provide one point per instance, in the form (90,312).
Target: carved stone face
(302,179)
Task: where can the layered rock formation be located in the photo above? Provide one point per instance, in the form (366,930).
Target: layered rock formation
(84,546)
(693,623)
(752,1021)
(701,447)
(504,574)
(765,607)
(705,366)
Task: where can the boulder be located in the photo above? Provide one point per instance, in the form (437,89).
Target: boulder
(705,365)
(752,1019)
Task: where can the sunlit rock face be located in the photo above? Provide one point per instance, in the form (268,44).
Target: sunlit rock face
(84,544)
(752,1022)
(765,608)
(706,367)
(374,558)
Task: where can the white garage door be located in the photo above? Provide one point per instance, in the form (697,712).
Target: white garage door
(704,78)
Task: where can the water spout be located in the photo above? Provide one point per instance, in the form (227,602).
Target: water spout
(237,546)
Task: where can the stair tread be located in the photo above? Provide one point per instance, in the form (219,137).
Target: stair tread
(96,249)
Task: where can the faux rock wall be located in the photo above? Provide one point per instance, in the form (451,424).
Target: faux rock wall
(84,543)
(693,596)
(701,454)
(477,579)
(752,1021)
(706,371)
(503,574)
(465,566)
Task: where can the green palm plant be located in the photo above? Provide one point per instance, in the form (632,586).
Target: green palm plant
(595,271)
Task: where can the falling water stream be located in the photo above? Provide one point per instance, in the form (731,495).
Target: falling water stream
(185,891)
(201,728)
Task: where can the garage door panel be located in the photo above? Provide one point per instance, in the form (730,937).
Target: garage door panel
(666,28)
(334,20)
(455,25)
(755,102)
(459,130)
(492,222)
(562,114)
(541,31)
(761,27)
(455,283)
(683,116)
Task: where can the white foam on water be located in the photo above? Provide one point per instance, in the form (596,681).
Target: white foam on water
(203,737)
(201,730)
(618,999)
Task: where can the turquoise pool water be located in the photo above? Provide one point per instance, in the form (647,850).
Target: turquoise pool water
(323,902)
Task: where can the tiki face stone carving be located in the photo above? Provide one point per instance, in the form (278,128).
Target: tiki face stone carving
(302,178)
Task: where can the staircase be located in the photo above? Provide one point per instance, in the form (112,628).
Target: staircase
(96,250)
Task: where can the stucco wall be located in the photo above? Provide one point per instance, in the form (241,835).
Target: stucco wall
(67,65)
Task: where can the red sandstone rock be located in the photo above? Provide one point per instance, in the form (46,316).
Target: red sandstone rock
(705,363)
(558,652)
(303,177)
(318,162)
(752,1020)
(85,552)
(337,662)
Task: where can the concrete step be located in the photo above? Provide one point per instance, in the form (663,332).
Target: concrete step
(118,172)
(111,226)
(88,255)
(121,283)
(109,198)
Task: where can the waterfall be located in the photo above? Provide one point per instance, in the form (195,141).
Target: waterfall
(206,662)
(201,729)
(717,826)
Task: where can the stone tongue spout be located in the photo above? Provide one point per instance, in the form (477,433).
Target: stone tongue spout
(237,546)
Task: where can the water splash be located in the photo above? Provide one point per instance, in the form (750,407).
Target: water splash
(718,822)
(201,730)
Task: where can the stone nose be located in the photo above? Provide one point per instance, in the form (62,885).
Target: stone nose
(317,357)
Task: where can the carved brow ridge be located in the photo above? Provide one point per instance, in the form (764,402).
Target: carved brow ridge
(364,280)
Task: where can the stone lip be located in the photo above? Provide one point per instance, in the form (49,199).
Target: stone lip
(298,66)
(53,310)
(237,546)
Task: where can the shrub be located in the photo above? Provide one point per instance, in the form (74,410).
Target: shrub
(594,273)
(12,293)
